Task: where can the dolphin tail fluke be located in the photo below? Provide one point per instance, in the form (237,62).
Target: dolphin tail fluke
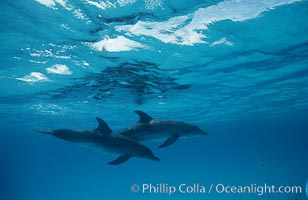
(44,131)
(119,160)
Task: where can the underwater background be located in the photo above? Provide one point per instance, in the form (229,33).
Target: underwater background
(236,68)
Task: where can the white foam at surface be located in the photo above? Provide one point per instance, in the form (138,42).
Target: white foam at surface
(101,4)
(117,44)
(85,64)
(163,31)
(79,15)
(175,31)
(52,3)
(123,3)
(64,3)
(33,77)
(222,41)
(153,4)
(108,4)
(65,27)
(35,55)
(59,69)
(48,3)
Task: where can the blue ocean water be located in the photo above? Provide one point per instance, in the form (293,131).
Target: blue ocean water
(237,69)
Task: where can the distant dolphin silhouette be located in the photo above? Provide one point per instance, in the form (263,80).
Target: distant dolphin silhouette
(148,128)
(102,139)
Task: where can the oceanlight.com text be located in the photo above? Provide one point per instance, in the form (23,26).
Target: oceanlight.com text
(258,189)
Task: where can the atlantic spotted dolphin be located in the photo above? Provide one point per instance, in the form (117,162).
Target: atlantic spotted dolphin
(102,139)
(148,128)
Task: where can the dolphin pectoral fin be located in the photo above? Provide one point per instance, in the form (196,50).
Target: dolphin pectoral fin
(169,141)
(119,160)
(102,126)
(143,117)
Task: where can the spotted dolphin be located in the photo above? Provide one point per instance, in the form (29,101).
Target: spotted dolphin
(103,139)
(148,128)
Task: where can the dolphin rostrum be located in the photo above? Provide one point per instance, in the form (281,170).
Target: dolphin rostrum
(148,128)
(102,139)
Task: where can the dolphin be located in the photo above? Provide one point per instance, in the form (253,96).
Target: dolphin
(148,128)
(102,139)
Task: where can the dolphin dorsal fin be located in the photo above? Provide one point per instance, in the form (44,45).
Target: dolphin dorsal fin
(143,117)
(102,126)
